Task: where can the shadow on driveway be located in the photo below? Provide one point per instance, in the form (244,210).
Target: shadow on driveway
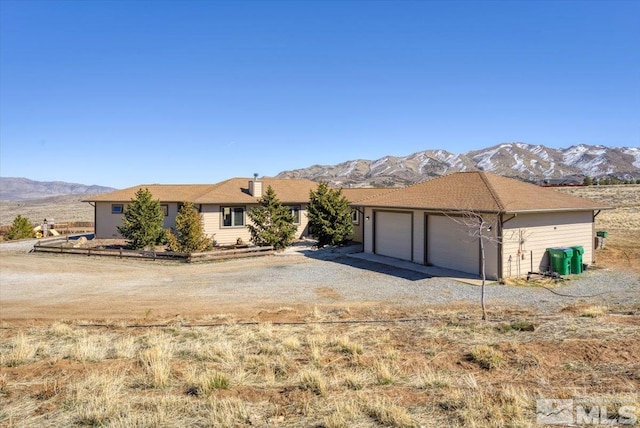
(368,265)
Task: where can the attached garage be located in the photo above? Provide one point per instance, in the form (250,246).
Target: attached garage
(521,221)
(393,234)
(450,246)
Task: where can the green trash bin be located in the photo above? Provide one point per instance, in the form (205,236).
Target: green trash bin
(560,258)
(602,233)
(576,259)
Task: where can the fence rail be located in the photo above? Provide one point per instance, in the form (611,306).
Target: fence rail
(56,247)
(64,228)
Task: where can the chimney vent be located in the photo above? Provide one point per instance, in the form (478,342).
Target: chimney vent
(255,187)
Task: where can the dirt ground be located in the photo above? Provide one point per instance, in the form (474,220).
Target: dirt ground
(77,335)
(45,286)
(40,287)
(72,287)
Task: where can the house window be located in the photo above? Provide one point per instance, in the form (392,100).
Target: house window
(355,216)
(165,209)
(295,212)
(232,216)
(117,208)
(197,207)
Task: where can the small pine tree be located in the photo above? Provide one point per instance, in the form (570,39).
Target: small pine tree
(189,235)
(271,222)
(21,228)
(330,217)
(142,222)
(588,181)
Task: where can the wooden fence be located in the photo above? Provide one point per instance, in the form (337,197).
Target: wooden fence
(64,228)
(63,247)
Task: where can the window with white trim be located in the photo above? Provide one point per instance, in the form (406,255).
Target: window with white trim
(117,208)
(232,216)
(355,216)
(295,212)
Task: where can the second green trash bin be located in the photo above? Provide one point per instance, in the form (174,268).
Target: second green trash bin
(560,258)
(576,260)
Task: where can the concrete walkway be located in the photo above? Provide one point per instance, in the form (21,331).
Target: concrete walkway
(355,250)
(427,270)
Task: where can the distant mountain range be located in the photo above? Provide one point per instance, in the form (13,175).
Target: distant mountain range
(21,189)
(533,163)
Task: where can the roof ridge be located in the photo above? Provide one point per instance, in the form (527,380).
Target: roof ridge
(390,190)
(492,191)
(396,189)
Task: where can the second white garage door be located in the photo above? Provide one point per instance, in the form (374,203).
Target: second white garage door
(393,234)
(451,247)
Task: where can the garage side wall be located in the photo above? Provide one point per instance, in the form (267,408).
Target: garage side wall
(358,228)
(491,247)
(542,231)
(368,230)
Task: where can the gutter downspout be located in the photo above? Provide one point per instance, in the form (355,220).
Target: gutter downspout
(95,218)
(593,234)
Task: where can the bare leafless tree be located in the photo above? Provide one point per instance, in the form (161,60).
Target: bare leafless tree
(477,227)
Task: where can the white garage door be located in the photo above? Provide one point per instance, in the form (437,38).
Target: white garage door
(393,234)
(451,247)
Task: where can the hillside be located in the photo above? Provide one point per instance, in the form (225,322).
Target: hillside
(20,189)
(63,208)
(534,163)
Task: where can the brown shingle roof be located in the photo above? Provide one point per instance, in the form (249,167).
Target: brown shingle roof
(236,190)
(163,192)
(356,194)
(232,191)
(482,192)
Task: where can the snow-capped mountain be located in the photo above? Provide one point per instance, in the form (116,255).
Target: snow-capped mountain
(535,163)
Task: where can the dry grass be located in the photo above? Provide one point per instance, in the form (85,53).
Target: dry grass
(314,381)
(438,372)
(623,224)
(21,351)
(625,200)
(387,413)
(486,356)
(156,359)
(60,208)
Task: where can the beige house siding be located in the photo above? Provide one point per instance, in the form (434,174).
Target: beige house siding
(107,223)
(212,221)
(491,247)
(358,228)
(368,230)
(303,227)
(418,236)
(542,231)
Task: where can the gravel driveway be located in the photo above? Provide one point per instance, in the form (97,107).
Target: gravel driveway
(67,286)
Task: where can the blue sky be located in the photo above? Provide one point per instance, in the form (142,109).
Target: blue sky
(120,93)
